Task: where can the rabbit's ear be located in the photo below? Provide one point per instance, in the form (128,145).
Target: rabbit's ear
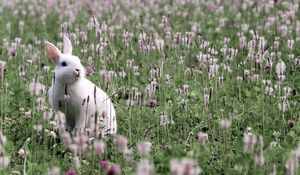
(67,45)
(52,51)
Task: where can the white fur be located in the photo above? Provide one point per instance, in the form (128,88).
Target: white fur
(77,97)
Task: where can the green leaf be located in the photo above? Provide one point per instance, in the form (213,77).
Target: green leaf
(288,142)
(248,93)
(256,88)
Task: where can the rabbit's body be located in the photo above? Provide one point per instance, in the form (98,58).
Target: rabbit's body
(87,108)
(81,108)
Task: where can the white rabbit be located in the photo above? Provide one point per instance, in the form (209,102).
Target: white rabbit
(87,108)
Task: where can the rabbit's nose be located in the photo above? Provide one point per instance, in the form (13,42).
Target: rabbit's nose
(77,71)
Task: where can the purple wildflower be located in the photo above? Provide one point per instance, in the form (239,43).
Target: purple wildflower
(152,102)
(71,172)
(291,123)
(202,137)
(104,164)
(90,69)
(113,170)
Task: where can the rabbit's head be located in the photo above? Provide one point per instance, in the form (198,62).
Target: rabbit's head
(68,67)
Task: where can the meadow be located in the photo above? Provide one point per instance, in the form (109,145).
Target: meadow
(199,87)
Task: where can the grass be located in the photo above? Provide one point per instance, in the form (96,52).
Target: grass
(245,103)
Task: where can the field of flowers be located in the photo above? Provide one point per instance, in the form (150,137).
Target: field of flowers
(199,87)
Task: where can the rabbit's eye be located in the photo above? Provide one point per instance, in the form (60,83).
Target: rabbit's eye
(64,64)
